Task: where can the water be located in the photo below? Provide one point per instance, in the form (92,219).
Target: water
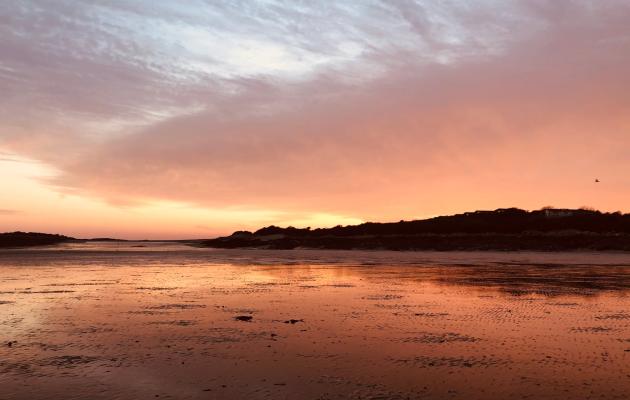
(119,321)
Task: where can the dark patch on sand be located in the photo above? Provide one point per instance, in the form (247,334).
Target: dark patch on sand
(452,362)
(173,323)
(591,329)
(176,306)
(81,284)
(447,337)
(68,361)
(46,291)
(149,312)
(7,367)
(383,297)
(430,314)
(617,316)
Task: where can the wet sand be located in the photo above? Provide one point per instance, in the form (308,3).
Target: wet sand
(127,322)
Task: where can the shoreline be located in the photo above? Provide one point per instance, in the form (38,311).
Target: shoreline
(545,242)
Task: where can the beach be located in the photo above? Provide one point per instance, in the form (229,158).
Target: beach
(138,320)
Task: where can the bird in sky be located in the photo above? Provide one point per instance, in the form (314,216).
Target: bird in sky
(596,180)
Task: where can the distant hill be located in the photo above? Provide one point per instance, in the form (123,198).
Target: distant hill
(28,239)
(502,229)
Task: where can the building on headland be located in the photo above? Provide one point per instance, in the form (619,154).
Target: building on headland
(558,213)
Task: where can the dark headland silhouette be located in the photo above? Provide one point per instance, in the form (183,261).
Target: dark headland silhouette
(548,229)
(33,239)
(28,239)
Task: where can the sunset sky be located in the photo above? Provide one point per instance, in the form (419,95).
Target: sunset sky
(188,119)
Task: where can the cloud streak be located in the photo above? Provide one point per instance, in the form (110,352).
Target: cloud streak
(9,212)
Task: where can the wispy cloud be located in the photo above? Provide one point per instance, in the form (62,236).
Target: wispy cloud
(9,212)
(14,158)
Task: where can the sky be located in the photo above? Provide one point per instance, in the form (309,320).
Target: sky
(171,119)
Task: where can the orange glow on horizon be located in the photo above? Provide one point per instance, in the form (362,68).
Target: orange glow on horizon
(387,111)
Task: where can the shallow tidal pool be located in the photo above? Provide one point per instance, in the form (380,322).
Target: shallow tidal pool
(171,322)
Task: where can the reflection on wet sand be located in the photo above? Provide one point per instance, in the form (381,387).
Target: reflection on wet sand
(314,325)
